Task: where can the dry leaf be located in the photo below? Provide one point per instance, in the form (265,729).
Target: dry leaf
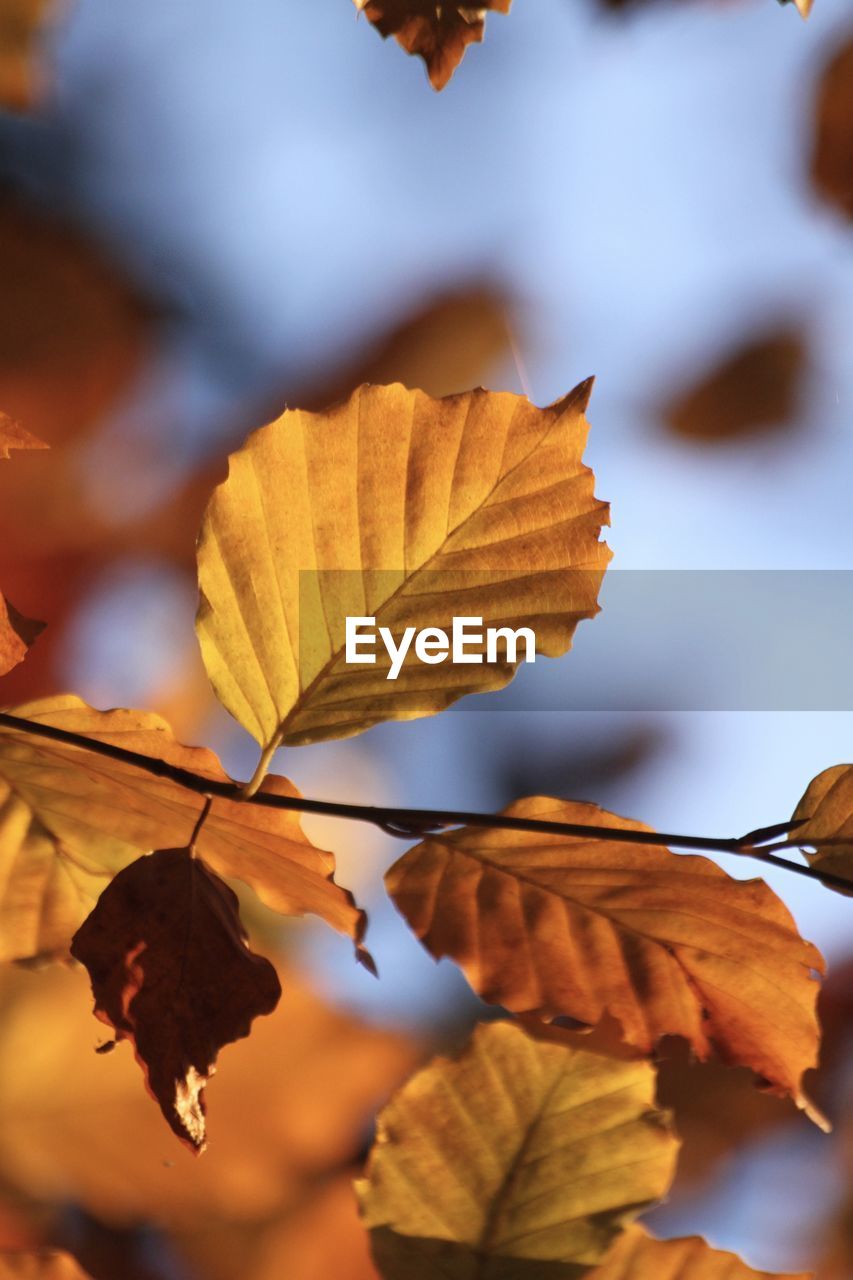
(637,1256)
(21,24)
(13,436)
(292,1106)
(70,820)
(826,811)
(439,33)
(522,1151)
(171,972)
(403,508)
(667,944)
(832,148)
(755,387)
(17,633)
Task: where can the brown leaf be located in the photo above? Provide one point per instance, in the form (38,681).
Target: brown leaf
(172,973)
(756,387)
(667,944)
(439,33)
(40,1265)
(832,148)
(17,633)
(21,77)
(825,813)
(13,436)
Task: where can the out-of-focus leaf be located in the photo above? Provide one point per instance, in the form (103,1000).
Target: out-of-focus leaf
(17,633)
(292,1106)
(524,1156)
(21,76)
(403,508)
(667,944)
(439,33)
(70,820)
(40,1265)
(826,811)
(637,1256)
(757,387)
(13,436)
(832,148)
(171,972)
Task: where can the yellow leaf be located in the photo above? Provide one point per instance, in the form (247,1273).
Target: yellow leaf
(71,819)
(826,811)
(667,944)
(40,1265)
(522,1151)
(403,508)
(17,633)
(439,33)
(637,1256)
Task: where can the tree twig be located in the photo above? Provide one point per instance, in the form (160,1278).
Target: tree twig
(412,824)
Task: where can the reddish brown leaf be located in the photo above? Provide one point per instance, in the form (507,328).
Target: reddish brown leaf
(17,633)
(439,33)
(13,436)
(832,149)
(172,973)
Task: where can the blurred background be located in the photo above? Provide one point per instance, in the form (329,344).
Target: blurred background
(211,211)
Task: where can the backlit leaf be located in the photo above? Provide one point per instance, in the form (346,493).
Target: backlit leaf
(637,1256)
(667,944)
(403,508)
(40,1265)
(523,1157)
(13,436)
(439,33)
(172,973)
(70,820)
(826,811)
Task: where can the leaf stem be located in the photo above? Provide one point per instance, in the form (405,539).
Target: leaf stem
(412,824)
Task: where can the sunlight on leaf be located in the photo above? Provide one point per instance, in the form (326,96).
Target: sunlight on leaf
(439,33)
(40,1265)
(70,820)
(826,811)
(665,943)
(403,508)
(637,1256)
(523,1151)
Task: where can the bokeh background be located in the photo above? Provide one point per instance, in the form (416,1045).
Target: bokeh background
(209,211)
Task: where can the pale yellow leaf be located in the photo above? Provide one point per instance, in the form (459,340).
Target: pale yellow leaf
(667,944)
(637,1256)
(70,819)
(522,1151)
(406,509)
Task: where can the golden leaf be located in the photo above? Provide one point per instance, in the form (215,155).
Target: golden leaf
(826,812)
(637,1256)
(403,508)
(172,972)
(667,944)
(40,1265)
(71,819)
(522,1151)
(439,33)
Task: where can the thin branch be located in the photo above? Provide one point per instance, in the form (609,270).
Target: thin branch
(416,823)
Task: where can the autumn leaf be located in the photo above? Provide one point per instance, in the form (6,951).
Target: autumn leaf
(71,819)
(826,813)
(667,944)
(172,972)
(832,147)
(403,508)
(637,1256)
(522,1151)
(439,33)
(13,436)
(17,633)
(291,1106)
(40,1265)
(21,22)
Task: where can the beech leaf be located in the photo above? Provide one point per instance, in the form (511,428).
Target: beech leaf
(71,819)
(826,813)
(40,1264)
(522,1152)
(17,633)
(439,33)
(667,944)
(172,973)
(406,509)
(638,1256)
